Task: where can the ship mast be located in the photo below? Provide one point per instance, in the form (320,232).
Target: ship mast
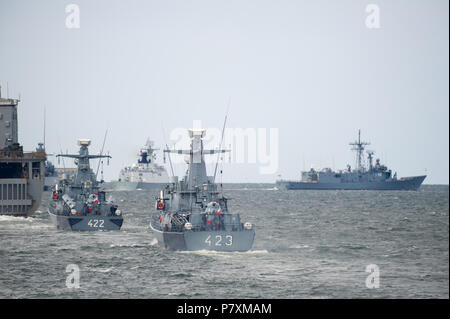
(359,146)
(196,175)
(84,172)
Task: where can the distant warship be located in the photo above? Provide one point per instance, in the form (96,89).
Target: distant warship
(374,177)
(54,174)
(192,214)
(145,174)
(80,204)
(51,175)
(21,173)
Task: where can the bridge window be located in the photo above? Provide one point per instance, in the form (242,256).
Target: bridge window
(10,170)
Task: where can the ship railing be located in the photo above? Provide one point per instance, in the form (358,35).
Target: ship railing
(177,225)
(218,226)
(179,220)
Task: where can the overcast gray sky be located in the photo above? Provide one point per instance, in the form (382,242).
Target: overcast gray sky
(312,69)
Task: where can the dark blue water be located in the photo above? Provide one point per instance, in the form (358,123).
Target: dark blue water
(309,244)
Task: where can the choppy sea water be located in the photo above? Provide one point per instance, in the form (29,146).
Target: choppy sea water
(308,244)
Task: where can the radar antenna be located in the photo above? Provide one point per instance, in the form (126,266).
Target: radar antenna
(370,157)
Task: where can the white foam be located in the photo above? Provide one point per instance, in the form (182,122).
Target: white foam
(103,270)
(8,218)
(206,252)
(153,242)
(299,246)
(262,251)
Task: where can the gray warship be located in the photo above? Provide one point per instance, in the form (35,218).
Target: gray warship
(21,173)
(145,174)
(80,204)
(372,177)
(51,175)
(192,214)
(54,174)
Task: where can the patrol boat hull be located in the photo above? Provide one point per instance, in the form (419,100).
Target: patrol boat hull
(220,240)
(86,223)
(407,183)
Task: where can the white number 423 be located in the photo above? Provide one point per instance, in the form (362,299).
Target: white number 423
(218,240)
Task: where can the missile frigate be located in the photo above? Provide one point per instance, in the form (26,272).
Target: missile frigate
(80,204)
(192,214)
(145,174)
(372,177)
(54,174)
(21,173)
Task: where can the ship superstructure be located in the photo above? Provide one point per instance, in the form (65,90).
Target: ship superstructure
(144,174)
(21,173)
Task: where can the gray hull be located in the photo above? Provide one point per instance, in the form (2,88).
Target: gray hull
(220,240)
(86,223)
(407,183)
(130,186)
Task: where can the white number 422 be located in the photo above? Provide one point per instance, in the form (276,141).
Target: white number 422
(96,223)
